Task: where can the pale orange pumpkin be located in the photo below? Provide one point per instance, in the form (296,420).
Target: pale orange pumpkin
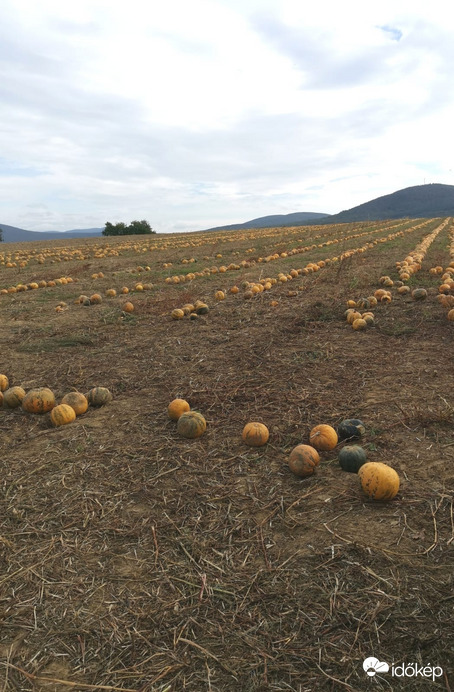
(303,460)
(323,437)
(62,415)
(77,401)
(255,434)
(39,400)
(177,407)
(379,481)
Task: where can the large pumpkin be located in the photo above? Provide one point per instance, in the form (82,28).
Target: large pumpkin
(13,397)
(379,481)
(351,458)
(39,400)
(255,434)
(62,414)
(98,396)
(77,401)
(191,424)
(323,437)
(4,383)
(177,407)
(303,460)
(350,428)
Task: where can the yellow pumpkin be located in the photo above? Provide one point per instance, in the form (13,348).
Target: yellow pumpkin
(303,460)
(255,434)
(177,407)
(62,414)
(379,481)
(177,314)
(127,307)
(191,424)
(13,397)
(4,383)
(323,437)
(77,401)
(39,400)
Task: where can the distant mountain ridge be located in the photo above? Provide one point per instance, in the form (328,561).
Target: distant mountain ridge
(298,218)
(12,234)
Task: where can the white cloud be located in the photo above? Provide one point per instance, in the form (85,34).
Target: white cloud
(215,111)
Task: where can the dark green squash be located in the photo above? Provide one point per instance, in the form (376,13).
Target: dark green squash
(350,428)
(351,458)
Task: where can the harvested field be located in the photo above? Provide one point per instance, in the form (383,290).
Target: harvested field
(134,559)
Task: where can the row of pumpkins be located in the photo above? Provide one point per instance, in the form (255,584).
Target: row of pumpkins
(378,480)
(42,400)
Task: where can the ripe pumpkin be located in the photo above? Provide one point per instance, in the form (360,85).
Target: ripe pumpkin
(379,481)
(359,324)
(191,424)
(39,400)
(77,401)
(13,397)
(4,383)
(177,407)
(351,458)
(255,434)
(323,437)
(201,308)
(96,299)
(1,399)
(62,414)
(127,307)
(177,314)
(99,396)
(303,460)
(350,428)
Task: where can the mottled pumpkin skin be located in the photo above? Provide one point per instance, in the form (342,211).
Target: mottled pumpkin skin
(191,424)
(99,396)
(77,401)
(351,458)
(4,383)
(39,400)
(62,415)
(177,407)
(379,481)
(255,434)
(13,397)
(303,460)
(350,428)
(323,437)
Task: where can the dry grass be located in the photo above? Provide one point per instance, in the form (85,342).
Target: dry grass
(133,559)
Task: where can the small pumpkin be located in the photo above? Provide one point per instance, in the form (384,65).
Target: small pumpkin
(303,460)
(99,396)
(62,415)
(4,383)
(13,397)
(96,298)
(323,437)
(379,481)
(77,401)
(350,428)
(177,314)
(127,307)
(39,400)
(419,294)
(201,308)
(191,424)
(255,434)
(359,324)
(177,407)
(352,457)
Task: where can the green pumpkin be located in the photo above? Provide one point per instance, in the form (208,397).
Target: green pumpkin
(351,458)
(363,303)
(350,428)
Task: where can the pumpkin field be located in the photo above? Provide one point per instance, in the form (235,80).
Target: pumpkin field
(141,551)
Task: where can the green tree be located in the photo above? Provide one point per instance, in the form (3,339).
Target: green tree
(134,228)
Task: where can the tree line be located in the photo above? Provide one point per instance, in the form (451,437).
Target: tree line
(134,228)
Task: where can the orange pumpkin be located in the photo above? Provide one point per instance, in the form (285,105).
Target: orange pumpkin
(323,437)
(191,424)
(13,397)
(39,400)
(77,401)
(4,383)
(177,407)
(177,314)
(95,299)
(128,307)
(303,460)
(379,481)
(62,414)
(255,434)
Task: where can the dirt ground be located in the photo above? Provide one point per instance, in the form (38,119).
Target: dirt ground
(134,559)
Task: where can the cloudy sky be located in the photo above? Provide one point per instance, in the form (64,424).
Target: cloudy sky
(199,113)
